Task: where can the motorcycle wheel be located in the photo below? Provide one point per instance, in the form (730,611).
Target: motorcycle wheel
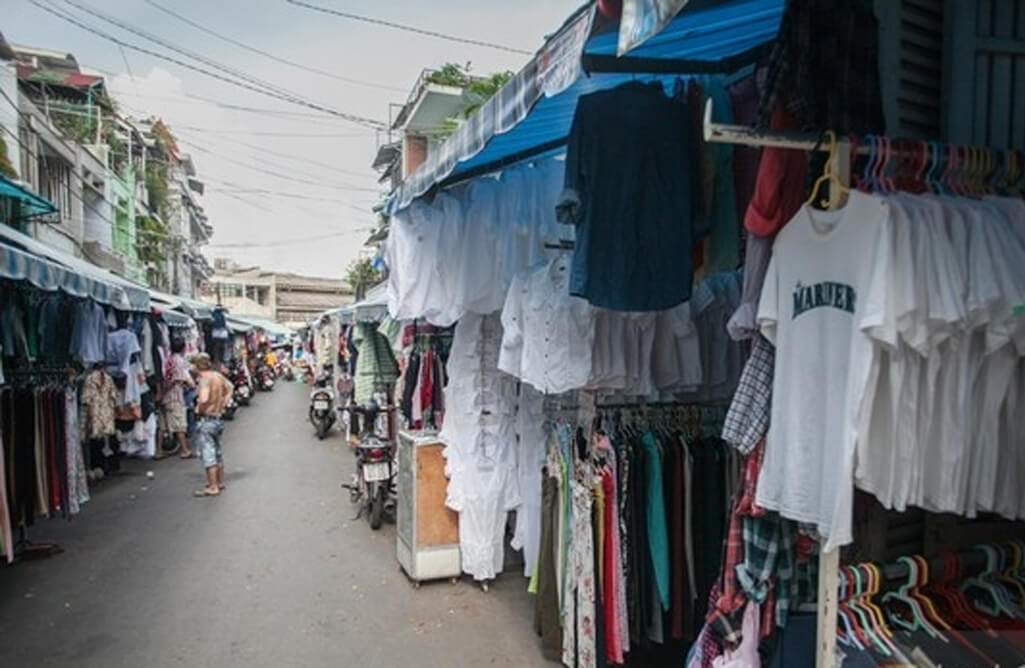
(322,429)
(376,515)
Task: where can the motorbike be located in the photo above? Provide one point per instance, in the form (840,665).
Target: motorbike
(230,408)
(265,378)
(243,390)
(322,405)
(372,482)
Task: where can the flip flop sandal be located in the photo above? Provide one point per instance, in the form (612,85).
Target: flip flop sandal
(191,455)
(201,493)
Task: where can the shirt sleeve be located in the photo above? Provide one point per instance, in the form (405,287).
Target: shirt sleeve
(509,357)
(768,304)
(569,209)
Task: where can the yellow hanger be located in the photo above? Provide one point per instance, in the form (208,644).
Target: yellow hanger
(836,188)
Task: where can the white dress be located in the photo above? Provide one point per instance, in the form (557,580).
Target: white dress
(480,438)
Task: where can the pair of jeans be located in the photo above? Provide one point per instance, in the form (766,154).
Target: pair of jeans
(208,440)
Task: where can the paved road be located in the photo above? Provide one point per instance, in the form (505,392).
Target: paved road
(273,573)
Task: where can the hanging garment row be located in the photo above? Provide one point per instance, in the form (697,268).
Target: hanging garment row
(41,460)
(421,385)
(459,253)
(558,343)
(931,328)
(632,520)
(958,609)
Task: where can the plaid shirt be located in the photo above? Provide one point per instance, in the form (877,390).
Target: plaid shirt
(747,420)
(824,67)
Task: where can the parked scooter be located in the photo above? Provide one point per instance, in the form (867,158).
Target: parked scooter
(265,378)
(230,408)
(371,484)
(322,405)
(243,390)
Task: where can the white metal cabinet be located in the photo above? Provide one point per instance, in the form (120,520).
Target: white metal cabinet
(427,542)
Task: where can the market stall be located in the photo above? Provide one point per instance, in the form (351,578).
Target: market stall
(697,352)
(82,360)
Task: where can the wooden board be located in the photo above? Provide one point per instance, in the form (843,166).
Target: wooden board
(436,524)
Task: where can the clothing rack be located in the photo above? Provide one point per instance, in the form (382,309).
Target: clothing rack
(828,585)
(829,562)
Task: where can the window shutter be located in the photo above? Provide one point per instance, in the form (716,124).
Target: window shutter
(910,66)
(985,63)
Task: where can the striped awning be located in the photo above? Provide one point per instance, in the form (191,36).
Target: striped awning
(19,265)
(80,278)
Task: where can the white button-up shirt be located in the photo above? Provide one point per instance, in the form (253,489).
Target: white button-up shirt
(548,335)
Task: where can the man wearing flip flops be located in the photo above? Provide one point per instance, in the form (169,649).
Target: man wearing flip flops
(214,390)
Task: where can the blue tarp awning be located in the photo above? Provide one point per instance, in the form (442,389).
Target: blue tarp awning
(83,278)
(533,113)
(31,203)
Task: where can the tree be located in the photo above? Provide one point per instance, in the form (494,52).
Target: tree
(361,275)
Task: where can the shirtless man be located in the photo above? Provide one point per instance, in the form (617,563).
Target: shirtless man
(214,390)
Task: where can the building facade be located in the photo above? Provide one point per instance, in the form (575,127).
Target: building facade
(290,299)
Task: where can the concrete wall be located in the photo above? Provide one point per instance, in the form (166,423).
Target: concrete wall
(8,114)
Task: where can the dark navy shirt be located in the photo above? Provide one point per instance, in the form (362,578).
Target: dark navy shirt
(630,190)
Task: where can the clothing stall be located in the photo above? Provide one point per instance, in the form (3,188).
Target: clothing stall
(80,350)
(687,445)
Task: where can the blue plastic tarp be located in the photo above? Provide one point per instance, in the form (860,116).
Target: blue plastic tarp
(530,113)
(31,203)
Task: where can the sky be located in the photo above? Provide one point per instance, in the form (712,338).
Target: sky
(289,188)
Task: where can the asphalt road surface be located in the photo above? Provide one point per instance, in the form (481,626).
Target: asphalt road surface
(275,572)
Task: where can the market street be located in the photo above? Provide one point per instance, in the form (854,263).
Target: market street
(273,573)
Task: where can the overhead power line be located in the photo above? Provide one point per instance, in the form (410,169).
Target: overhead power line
(292,242)
(263,133)
(271,172)
(156,39)
(399,26)
(263,150)
(369,122)
(251,49)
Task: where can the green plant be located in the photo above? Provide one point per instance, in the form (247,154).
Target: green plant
(477,91)
(156,186)
(151,246)
(74,124)
(450,74)
(6,168)
(361,275)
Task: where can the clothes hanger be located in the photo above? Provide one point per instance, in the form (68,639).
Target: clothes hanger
(917,619)
(865,180)
(990,602)
(836,189)
(872,588)
(1013,587)
(851,634)
(923,599)
(884,178)
(865,622)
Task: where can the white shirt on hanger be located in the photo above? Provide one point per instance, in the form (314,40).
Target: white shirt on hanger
(548,335)
(825,288)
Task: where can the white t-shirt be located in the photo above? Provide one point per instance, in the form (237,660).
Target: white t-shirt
(824,289)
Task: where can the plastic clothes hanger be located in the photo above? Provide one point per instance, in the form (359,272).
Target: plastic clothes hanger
(926,603)
(866,624)
(872,588)
(990,602)
(836,189)
(885,179)
(917,619)
(850,634)
(865,182)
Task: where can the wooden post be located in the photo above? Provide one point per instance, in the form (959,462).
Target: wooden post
(829,562)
